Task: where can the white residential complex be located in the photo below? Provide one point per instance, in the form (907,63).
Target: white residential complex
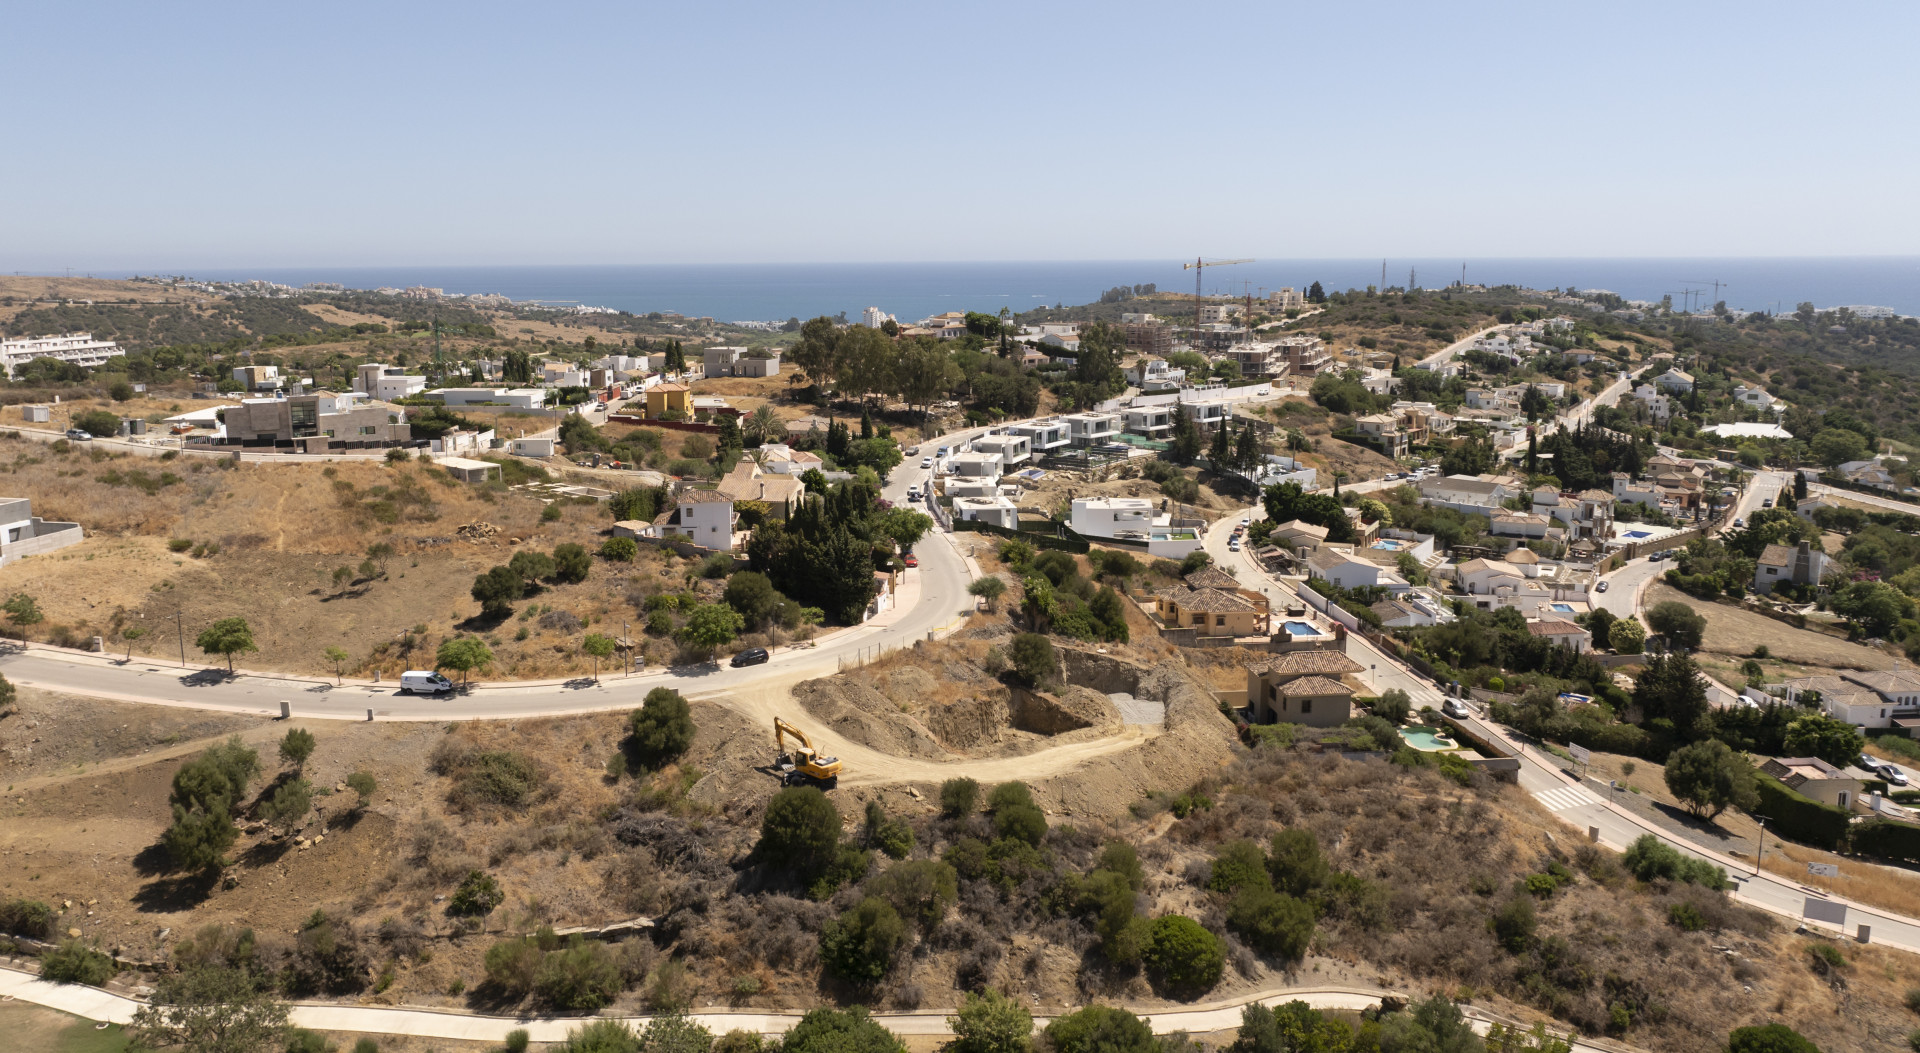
(81,349)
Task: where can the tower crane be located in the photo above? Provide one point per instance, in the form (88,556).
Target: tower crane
(1198,267)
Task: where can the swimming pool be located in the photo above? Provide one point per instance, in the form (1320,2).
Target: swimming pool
(1638,533)
(1429,740)
(1390,544)
(1561,608)
(1301,629)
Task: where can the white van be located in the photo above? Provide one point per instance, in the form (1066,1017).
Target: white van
(424,682)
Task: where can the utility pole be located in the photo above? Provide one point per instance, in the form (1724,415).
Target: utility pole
(1383,277)
(182,632)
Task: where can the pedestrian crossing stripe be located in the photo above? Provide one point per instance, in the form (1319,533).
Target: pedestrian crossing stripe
(1562,798)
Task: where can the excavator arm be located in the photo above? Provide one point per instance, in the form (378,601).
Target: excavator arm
(806,761)
(781,729)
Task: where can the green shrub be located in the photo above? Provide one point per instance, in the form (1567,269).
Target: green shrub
(859,945)
(662,728)
(1100,1029)
(497,777)
(1769,1038)
(1186,958)
(1237,865)
(26,917)
(582,975)
(1023,822)
(840,1031)
(1272,922)
(1686,917)
(75,963)
(477,895)
(1649,858)
(959,797)
(1514,924)
(800,830)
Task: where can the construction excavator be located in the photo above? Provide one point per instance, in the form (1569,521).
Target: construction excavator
(803,763)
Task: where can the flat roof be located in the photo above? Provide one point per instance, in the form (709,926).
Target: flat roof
(465,464)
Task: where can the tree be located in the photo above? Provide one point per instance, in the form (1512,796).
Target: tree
(1032,656)
(711,625)
(1183,446)
(336,658)
(958,797)
(362,784)
(799,831)
(840,1031)
(1100,1029)
(290,803)
(991,1023)
(98,423)
(1769,1038)
(296,746)
(1393,706)
(1836,446)
(1680,624)
(130,634)
(23,612)
(497,589)
(380,552)
(571,563)
(673,1032)
(662,728)
(1875,606)
(1818,735)
(1708,776)
(464,654)
(1272,922)
(922,890)
(1626,636)
(753,595)
(598,646)
(859,945)
(229,637)
(211,1009)
(989,589)
(476,897)
(1671,687)
(1295,862)
(1294,1027)
(1187,958)
(531,566)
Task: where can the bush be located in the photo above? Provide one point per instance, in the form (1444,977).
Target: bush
(495,777)
(662,728)
(859,945)
(958,797)
(1394,706)
(620,549)
(1649,859)
(1799,818)
(1769,1038)
(477,896)
(583,975)
(601,1036)
(1187,958)
(1100,1029)
(1295,862)
(1033,660)
(75,963)
(840,1031)
(800,830)
(1272,922)
(1514,924)
(571,563)
(26,917)
(991,1023)
(1022,822)
(1237,865)
(1686,917)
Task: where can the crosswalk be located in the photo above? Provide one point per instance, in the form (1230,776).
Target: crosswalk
(1561,798)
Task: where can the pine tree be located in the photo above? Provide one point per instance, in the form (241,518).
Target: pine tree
(1221,453)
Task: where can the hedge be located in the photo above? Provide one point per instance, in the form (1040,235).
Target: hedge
(1800,818)
(1037,540)
(1888,840)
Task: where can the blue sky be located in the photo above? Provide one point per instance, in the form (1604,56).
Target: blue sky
(223,135)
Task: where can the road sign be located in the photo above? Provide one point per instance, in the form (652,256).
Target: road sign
(1825,911)
(1823,869)
(1580,754)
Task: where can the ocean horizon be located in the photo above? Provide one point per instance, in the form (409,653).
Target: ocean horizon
(910,291)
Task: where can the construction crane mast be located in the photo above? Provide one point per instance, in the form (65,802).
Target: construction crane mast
(1199,267)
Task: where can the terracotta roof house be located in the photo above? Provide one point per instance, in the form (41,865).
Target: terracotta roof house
(1269,679)
(1315,701)
(1815,778)
(1213,611)
(1564,633)
(1780,564)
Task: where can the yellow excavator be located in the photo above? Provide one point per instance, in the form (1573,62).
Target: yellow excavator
(803,763)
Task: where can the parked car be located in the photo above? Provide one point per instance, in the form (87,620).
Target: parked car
(1893,775)
(1739,522)
(77,435)
(1602,587)
(1454,708)
(1245,523)
(1767,503)
(750,656)
(926,462)
(1233,544)
(912,451)
(913,492)
(424,682)
(944,451)
(910,560)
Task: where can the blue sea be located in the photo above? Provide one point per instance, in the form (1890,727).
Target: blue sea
(910,291)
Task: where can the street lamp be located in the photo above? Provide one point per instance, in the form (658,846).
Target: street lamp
(1760,846)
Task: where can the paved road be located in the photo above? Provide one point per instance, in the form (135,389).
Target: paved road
(1455,348)
(93,1003)
(1887,503)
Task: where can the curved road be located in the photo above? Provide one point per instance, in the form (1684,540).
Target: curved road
(94,1003)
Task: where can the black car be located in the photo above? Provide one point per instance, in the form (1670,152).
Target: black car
(750,656)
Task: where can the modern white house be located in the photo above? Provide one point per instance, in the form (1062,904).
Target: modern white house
(1674,381)
(24,534)
(1465,494)
(1043,436)
(1340,566)
(1091,429)
(999,511)
(1134,519)
(386,383)
(1754,396)
(704,517)
(1151,421)
(81,349)
(1154,374)
(976,465)
(516,398)
(1210,415)
(1011,449)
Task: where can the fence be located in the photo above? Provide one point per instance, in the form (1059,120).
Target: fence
(670,425)
(1033,538)
(1327,607)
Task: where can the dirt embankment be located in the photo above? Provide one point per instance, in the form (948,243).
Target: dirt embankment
(1733,631)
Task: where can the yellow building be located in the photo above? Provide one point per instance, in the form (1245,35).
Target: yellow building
(669,400)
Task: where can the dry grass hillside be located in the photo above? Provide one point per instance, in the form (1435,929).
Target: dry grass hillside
(265,541)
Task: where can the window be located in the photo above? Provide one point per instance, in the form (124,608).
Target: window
(1306,705)
(1219,619)
(369,429)
(14,535)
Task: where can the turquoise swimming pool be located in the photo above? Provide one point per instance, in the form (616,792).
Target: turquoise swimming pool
(1430,740)
(1301,629)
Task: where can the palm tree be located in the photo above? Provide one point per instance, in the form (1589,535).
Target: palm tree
(761,422)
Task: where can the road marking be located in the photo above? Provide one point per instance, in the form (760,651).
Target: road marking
(1561,798)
